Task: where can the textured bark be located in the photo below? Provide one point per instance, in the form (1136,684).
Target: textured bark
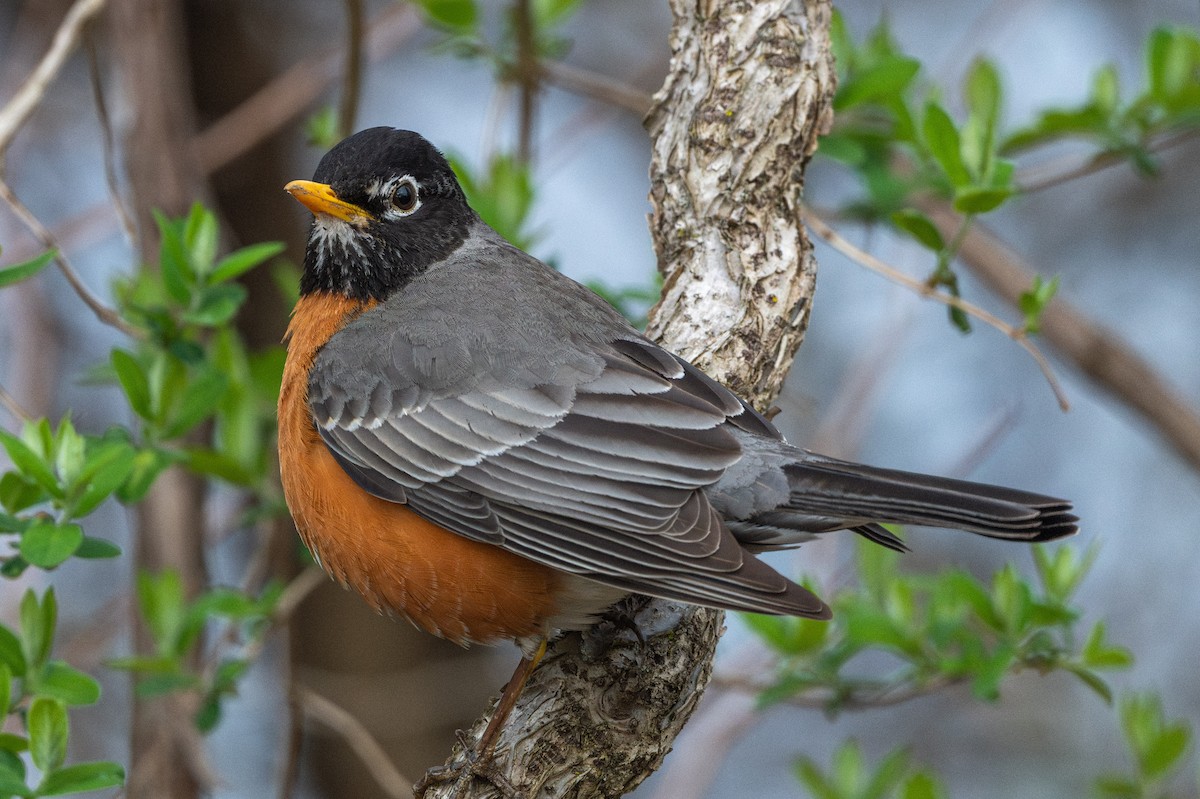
(166,752)
(749,89)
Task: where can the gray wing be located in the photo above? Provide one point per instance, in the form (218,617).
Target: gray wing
(586,458)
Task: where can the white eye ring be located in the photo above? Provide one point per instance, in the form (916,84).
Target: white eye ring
(405,198)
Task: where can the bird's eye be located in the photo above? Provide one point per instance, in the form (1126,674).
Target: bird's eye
(404,198)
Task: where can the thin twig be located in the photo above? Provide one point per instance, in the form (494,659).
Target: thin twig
(352,83)
(866,696)
(1097,351)
(358,738)
(13,407)
(110,146)
(291,92)
(863,258)
(1072,167)
(296,592)
(596,86)
(527,76)
(105,314)
(18,110)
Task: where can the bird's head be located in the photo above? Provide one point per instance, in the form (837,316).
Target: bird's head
(386,207)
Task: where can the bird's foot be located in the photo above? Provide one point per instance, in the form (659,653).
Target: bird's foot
(474,766)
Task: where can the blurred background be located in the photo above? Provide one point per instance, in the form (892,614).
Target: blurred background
(882,376)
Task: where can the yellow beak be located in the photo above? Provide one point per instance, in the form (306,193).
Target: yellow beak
(321,200)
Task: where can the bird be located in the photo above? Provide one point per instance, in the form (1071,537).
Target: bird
(477,443)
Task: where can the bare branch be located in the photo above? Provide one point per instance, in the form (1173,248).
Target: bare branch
(358,738)
(18,110)
(105,314)
(1072,167)
(526,74)
(864,696)
(110,147)
(863,258)
(597,86)
(352,83)
(286,96)
(13,407)
(1096,351)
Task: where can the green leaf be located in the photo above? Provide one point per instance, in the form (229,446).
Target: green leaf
(205,461)
(25,270)
(11,742)
(458,16)
(217,304)
(1034,300)
(30,463)
(922,786)
(160,684)
(973,200)
(173,260)
(6,686)
(69,452)
(942,139)
(148,464)
(1106,89)
(548,13)
(12,654)
(97,548)
(199,402)
(161,600)
(1166,751)
(106,469)
(200,238)
(80,777)
(46,544)
(1098,654)
(321,128)
(888,78)
(17,494)
(920,227)
(990,672)
(12,785)
(14,567)
(870,627)
(241,261)
(48,728)
(1091,680)
(1163,63)
(68,685)
(134,382)
(1118,787)
(979,133)
(38,621)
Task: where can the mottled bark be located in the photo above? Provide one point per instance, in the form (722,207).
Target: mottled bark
(749,89)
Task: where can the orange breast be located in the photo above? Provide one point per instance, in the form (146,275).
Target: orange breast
(459,589)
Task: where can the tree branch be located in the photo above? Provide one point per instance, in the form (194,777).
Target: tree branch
(352,82)
(358,738)
(1101,355)
(104,313)
(18,110)
(748,91)
(1019,335)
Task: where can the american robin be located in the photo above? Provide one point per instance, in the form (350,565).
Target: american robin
(477,443)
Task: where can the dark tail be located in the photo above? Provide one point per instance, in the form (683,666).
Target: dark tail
(863,495)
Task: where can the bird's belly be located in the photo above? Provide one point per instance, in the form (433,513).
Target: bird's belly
(448,585)
(463,590)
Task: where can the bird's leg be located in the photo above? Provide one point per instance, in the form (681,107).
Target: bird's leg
(479,761)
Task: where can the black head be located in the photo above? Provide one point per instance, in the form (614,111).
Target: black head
(386,207)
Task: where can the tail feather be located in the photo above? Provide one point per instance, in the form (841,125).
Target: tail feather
(827,488)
